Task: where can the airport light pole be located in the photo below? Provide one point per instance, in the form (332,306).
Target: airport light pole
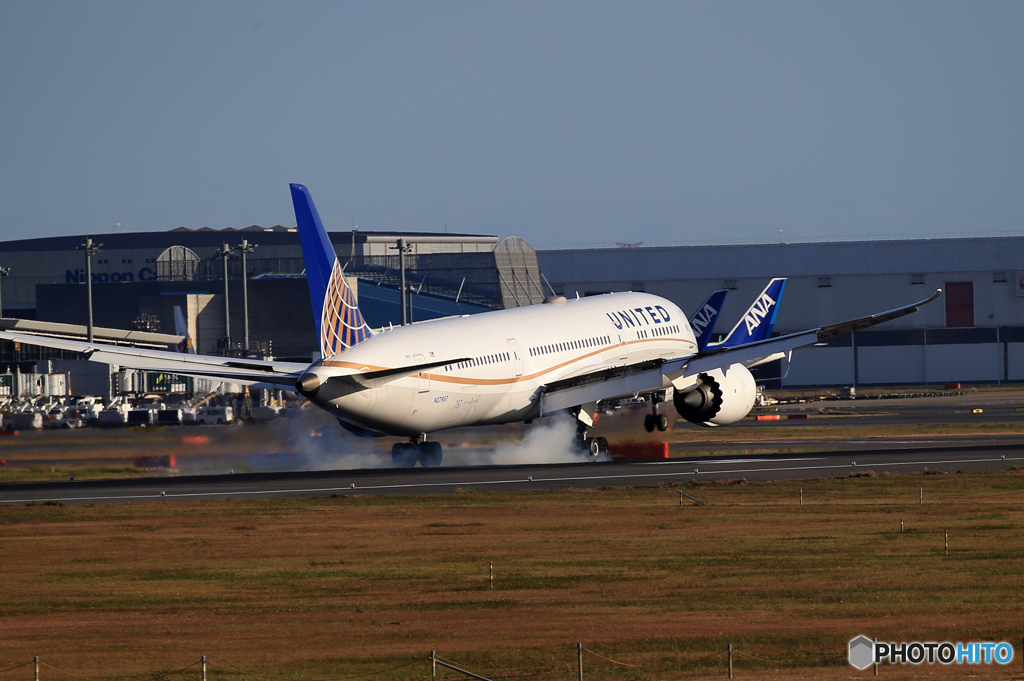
(225,253)
(402,250)
(244,248)
(4,271)
(90,249)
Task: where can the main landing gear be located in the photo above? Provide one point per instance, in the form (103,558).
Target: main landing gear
(406,454)
(594,446)
(656,420)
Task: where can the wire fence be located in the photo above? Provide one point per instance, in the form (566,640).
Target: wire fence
(204,668)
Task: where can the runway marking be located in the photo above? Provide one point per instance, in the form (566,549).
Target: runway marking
(891,442)
(692,461)
(499,482)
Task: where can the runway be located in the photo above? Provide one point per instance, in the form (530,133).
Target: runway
(520,478)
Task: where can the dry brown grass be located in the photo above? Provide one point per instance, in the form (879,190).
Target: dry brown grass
(342,586)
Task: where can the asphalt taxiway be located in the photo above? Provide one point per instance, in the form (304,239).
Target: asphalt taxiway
(520,477)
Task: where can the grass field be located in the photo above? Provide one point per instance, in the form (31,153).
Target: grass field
(345,586)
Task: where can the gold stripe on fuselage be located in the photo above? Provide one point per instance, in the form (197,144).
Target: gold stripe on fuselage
(462,380)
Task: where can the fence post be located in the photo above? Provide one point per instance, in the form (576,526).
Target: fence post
(433,664)
(922,496)
(579,658)
(875,646)
(947,541)
(37,667)
(204,667)
(730,660)
(492,574)
(801,498)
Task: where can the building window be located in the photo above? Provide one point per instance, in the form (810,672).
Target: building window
(729,284)
(102,261)
(998,277)
(126,261)
(917,280)
(637,286)
(824,282)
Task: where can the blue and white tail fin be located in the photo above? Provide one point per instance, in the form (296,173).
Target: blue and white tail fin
(339,323)
(703,320)
(757,322)
(181,329)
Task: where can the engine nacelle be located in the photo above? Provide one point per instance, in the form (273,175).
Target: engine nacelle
(721,397)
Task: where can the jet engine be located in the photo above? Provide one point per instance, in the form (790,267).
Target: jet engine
(721,397)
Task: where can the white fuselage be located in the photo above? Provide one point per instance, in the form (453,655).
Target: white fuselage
(511,354)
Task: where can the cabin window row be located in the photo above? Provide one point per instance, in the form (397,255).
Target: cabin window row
(480,361)
(581,344)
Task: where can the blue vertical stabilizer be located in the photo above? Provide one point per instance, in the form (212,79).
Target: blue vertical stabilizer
(703,320)
(181,329)
(339,323)
(757,322)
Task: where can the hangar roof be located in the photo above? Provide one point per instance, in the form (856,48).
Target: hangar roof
(213,238)
(785,260)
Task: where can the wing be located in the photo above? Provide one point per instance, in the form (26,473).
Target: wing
(244,371)
(659,374)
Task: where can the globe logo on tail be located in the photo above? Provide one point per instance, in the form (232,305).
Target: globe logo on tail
(342,325)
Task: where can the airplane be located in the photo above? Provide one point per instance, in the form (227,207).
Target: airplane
(760,317)
(703,320)
(757,322)
(503,366)
(181,329)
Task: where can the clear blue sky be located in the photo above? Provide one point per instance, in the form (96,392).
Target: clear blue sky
(559,122)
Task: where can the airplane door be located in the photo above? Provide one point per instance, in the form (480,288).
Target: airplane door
(422,378)
(517,356)
(623,348)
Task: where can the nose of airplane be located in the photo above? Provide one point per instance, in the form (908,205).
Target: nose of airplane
(309,384)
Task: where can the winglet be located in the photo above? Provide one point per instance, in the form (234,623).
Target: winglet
(703,320)
(339,323)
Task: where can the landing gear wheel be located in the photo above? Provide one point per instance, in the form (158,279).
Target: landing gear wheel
(602,444)
(661,421)
(593,446)
(404,454)
(430,454)
(650,422)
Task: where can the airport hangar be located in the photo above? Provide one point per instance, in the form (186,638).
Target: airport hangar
(139,278)
(975,333)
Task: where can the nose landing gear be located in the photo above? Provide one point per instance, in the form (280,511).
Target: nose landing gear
(406,454)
